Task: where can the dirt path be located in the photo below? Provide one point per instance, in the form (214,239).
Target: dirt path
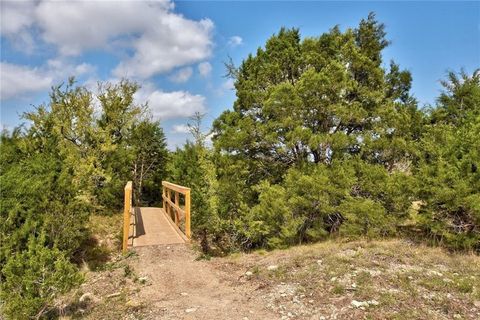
(181,287)
(390,279)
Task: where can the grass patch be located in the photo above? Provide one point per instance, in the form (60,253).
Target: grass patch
(409,281)
(338,288)
(203,256)
(434,284)
(364,278)
(281,273)
(465,285)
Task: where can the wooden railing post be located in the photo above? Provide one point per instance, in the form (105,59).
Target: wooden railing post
(169,209)
(163,198)
(177,214)
(187,214)
(126,215)
(180,213)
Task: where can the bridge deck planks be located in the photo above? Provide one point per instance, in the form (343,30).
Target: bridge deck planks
(151,226)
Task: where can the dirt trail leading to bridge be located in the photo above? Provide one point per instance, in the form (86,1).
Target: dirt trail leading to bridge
(178,286)
(328,280)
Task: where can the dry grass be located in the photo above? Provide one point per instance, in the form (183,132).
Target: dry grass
(109,279)
(408,281)
(107,229)
(399,279)
(103,243)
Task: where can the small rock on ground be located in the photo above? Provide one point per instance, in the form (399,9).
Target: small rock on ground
(85,297)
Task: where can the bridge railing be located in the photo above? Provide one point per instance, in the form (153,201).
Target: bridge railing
(127,212)
(173,208)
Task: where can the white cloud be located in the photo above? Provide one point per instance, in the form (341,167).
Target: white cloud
(235,41)
(176,41)
(16,16)
(228,84)
(181,128)
(16,80)
(169,105)
(208,139)
(149,36)
(60,69)
(75,26)
(15,19)
(205,68)
(182,75)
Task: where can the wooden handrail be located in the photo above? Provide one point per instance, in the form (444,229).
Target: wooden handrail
(127,210)
(174,207)
(175,187)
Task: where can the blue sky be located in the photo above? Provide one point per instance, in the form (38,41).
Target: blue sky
(176,50)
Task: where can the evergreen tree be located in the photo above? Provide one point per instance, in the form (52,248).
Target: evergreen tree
(192,166)
(448,173)
(304,108)
(73,160)
(316,100)
(149,147)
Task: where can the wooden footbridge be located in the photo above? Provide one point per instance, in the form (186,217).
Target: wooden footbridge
(143,226)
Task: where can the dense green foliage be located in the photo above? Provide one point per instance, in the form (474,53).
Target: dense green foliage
(193,166)
(34,277)
(325,137)
(149,148)
(323,140)
(316,201)
(448,174)
(74,159)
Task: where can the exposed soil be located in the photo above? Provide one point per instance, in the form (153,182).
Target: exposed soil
(390,279)
(183,287)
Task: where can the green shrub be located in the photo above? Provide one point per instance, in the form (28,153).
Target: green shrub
(33,278)
(365,217)
(70,162)
(193,166)
(449,171)
(312,203)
